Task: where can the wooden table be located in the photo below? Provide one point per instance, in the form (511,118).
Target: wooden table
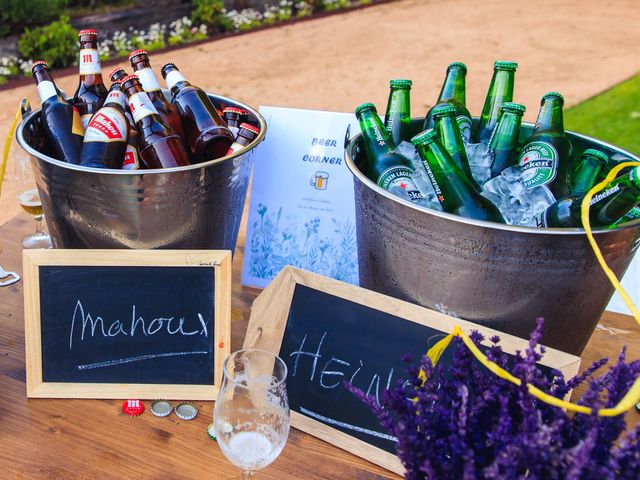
(91,439)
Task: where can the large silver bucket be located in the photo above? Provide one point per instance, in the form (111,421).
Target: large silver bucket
(497,275)
(193,207)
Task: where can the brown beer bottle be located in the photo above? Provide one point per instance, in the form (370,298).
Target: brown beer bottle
(207,134)
(105,140)
(246,135)
(117,74)
(91,92)
(160,146)
(132,155)
(60,120)
(234,116)
(142,68)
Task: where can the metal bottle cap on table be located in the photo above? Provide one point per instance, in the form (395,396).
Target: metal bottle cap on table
(161,408)
(186,411)
(133,408)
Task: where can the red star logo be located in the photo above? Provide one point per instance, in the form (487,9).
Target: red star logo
(403,185)
(441,198)
(381,143)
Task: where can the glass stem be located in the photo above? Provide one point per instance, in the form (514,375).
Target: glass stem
(246,474)
(39,223)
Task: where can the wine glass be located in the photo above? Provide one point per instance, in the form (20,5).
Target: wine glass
(29,199)
(251,417)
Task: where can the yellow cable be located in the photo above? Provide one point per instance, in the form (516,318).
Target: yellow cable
(7,145)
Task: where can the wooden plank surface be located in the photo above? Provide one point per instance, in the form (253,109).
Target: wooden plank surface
(91,439)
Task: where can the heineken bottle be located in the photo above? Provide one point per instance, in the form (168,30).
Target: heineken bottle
(546,158)
(398,115)
(587,170)
(444,117)
(388,169)
(453,188)
(503,143)
(500,91)
(453,93)
(606,208)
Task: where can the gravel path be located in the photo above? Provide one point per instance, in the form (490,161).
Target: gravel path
(577,47)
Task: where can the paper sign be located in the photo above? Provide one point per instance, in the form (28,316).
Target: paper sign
(302,209)
(631,283)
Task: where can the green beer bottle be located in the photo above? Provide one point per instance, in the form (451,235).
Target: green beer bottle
(453,189)
(444,117)
(547,154)
(587,170)
(454,92)
(385,167)
(500,91)
(398,115)
(504,140)
(607,207)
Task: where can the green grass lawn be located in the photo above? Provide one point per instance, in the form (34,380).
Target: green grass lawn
(612,116)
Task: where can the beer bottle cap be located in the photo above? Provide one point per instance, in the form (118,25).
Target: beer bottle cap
(457,64)
(186,411)
(514,107)
(135,53)
(114,71)
(133,408)
(37,63)
(161,408)
(400,83)
(365,106)
(251,128)
(88,31)
(127,78)
(428,136)
(443,110)
(165,66)
(603,157)
(505,65)
(552,95)
(211,431)
(236,110)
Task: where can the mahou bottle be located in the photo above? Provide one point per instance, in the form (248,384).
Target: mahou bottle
(142,68)
(105,140)
(160,146)
(207,133)
(246,135)
(132,155)
(91,92)
(60,120)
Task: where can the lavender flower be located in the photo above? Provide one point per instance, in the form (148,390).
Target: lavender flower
(466,423)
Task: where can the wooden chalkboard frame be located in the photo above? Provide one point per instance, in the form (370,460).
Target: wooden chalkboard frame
(269,317)
(218,260)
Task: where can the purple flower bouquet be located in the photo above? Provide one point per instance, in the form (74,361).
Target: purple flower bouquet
(471,424)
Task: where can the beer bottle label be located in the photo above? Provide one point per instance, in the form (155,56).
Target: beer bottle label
(46,90)
(539,163)
(464,123)
(148,79)
(131,159)
(108,125)
(235,146)
(89,62)
(174,77)
(116,96)
(400,177)
(77,127)
(141,106)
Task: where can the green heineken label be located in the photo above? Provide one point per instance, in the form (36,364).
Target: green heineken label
(400,177)
(464,123)
(539,163)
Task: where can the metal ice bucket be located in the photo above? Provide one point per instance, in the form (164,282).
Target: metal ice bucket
(194,207)
(497,275)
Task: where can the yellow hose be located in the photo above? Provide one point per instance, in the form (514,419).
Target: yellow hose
(7,145)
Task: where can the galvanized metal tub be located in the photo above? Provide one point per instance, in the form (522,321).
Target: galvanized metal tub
(497,275)
(194,207)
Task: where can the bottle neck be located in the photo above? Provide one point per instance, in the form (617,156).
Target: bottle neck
(449,132)
(45,85)
(454,86)
(377,139)
(175,79)
(89,63)
(398,111)
(550,116)
(148,79)
(585,175)
(443,174)
(500,91)
(139,103)
(505,135)
(116,99)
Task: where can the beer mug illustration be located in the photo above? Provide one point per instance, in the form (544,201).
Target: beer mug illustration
(319,180)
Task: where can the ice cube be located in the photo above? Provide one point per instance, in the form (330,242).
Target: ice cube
(480,160)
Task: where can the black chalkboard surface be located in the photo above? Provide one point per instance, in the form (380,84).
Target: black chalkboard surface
(156,326)
(328,331)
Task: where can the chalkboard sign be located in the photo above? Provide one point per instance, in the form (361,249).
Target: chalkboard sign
(328,332)
(122,324)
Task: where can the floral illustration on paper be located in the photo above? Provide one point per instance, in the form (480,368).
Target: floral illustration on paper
(280,239)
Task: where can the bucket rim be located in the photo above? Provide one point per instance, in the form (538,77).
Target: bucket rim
(355,171)
(111,171)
